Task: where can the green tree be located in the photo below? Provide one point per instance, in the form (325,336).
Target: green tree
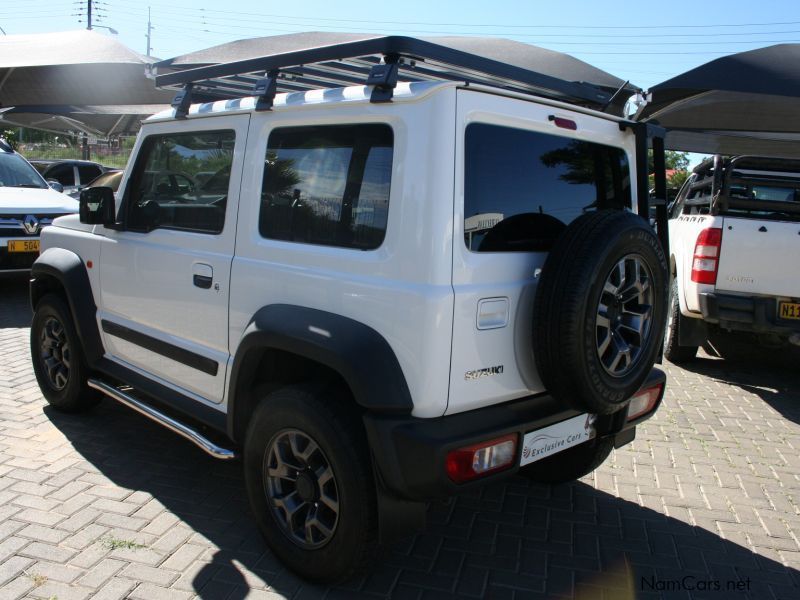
(674,161)
(678,161)
(10,136)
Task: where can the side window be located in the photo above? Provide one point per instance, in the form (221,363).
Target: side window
(327,185)
(63,174)
(88,172)
(522,188)
(165,190)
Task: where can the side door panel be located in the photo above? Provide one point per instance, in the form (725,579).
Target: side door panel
(165,292)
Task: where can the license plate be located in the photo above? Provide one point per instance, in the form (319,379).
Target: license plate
(789,310)
(23,245)
(551,440)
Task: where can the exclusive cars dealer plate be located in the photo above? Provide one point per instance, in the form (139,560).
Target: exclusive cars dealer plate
(545,442)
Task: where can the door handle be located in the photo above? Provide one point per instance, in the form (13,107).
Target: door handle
(202,275)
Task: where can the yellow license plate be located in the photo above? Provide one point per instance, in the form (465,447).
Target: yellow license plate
(789,310)
(23,245)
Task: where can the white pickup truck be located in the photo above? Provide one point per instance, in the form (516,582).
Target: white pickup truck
(734,234)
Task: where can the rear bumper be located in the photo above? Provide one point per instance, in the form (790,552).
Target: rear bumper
(756,314)
(410,453)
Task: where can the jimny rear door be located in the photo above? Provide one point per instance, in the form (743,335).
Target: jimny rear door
(520,179)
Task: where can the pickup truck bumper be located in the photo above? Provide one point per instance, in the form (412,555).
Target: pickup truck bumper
(410,453)
(756,314)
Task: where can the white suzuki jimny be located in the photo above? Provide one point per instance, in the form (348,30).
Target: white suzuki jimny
(417,270)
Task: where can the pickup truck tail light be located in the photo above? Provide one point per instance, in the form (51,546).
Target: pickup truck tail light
(644,401)
(481,459)
(706,256)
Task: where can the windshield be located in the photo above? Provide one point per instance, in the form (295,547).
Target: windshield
(15,171)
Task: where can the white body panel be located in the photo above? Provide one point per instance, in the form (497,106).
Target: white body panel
(759,257)
(402,289)
(14,200)
(147,283)
(511,275)
(683,232)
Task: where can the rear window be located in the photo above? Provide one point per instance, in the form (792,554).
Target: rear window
(522,188)
(88,172)
(63,174)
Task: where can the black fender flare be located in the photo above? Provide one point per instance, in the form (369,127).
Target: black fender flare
(358,353)
(67,268)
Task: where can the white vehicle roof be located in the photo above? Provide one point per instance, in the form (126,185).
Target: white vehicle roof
(404,92)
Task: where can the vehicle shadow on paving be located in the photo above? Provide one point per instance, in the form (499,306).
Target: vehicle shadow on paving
(14,309)
(509,540)
(769,373)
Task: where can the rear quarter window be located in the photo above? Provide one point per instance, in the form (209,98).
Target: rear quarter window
(522,188)
(327,185)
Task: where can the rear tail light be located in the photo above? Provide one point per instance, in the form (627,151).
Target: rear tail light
(705,263)
(644,401)
(481,459)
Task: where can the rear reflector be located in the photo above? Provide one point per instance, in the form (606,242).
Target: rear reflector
(563,123)
(644,401)
(706,256)
(481,459)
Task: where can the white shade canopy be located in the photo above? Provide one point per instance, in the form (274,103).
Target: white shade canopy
(75,81)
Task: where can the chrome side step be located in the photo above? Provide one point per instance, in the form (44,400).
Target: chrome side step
(129,400)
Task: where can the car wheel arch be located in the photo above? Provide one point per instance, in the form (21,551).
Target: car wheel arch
(340,351)
(62,271)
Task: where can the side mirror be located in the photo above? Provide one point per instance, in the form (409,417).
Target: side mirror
(97,206)
(55,185)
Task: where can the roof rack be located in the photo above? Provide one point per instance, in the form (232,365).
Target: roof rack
(380,62)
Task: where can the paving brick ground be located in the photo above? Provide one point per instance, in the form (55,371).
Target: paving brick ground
(108,505)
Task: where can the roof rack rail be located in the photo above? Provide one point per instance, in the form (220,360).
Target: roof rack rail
(378,61)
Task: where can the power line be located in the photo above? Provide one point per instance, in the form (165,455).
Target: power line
(216,28)
(183,10)
(217,24)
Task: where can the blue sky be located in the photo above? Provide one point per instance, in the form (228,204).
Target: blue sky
(640,41)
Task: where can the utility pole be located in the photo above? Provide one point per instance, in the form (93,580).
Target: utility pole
(149,29)
(89,14)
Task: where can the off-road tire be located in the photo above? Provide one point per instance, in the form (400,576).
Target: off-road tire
(570,464)
(567,306)
(673,351)
(54,340)
(329,419)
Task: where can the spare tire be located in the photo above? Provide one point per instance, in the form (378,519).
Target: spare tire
(599,311)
